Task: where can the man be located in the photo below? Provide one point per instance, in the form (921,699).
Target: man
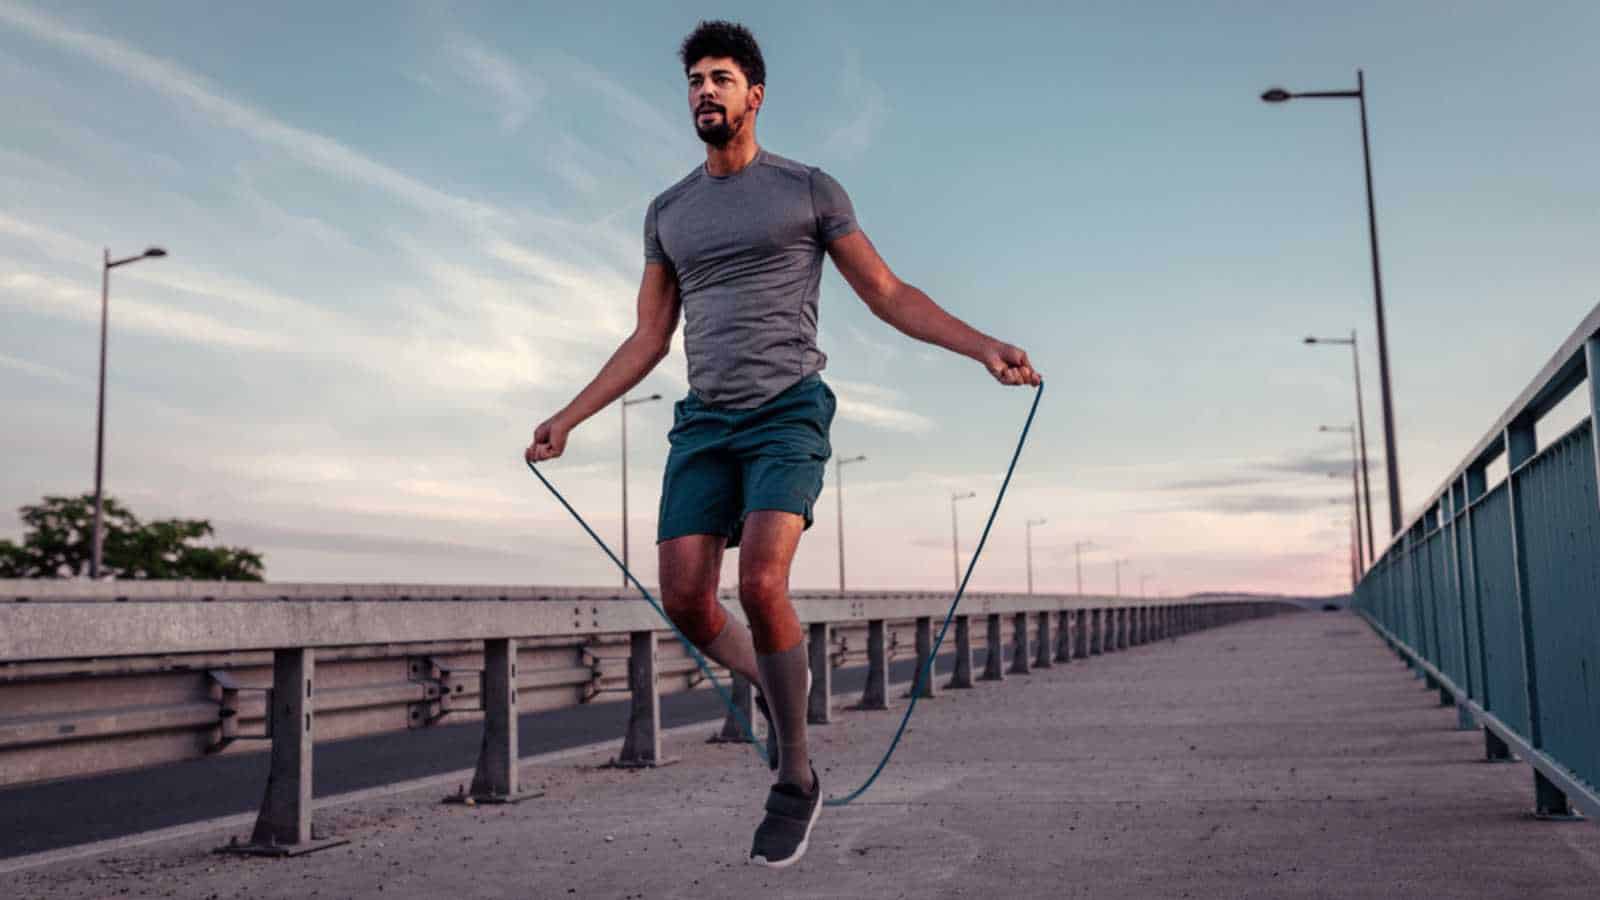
(737,245)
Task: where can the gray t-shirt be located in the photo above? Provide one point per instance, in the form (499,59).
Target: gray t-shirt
(747,252)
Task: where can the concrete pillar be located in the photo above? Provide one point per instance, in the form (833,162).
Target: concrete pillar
(819,706)
(1080,633)
(285,816)
(1046,653)
(641,743)
(922,681)
(1019,651)
(1097,632)
(1064,636)
(994,668)
(496,777)
(1464,720)
(962,676)
(1122,628)
(876,693)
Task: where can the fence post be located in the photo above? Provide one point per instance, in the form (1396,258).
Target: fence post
(962,676)
(283,825)
(1521,445)
(641,743)
(1019,652)
(1064,637)
(994,668)
(922,681)
(1046,653)
(496,779)
(819,706)
(876,694)
(744,700)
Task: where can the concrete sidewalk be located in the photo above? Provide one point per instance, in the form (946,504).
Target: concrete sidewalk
(1287,757)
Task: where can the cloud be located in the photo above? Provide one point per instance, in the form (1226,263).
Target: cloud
(877,407)
(70,300)
(513,90)
(866,103)
(257,536)
(181,84)
(39,370)
(1251,504)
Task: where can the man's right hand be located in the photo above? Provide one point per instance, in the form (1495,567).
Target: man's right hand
(549,440)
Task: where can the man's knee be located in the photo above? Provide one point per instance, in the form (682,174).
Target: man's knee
(761,588)
(695,610)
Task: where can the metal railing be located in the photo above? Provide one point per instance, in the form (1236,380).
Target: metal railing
(1493,592)
(100,677)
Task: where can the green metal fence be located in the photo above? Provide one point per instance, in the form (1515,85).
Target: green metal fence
(1493,592)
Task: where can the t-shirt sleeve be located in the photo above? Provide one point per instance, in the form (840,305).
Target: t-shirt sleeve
(835,216)
(653,253)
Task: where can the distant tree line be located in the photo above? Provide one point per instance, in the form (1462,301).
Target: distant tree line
(60,535)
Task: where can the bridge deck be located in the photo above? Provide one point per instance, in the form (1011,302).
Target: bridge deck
(1287,757)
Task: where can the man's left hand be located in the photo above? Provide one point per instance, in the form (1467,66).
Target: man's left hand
(1009,365)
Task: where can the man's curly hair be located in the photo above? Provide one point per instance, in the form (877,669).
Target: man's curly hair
(718,38)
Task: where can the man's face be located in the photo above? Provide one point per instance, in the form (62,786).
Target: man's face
(721,100)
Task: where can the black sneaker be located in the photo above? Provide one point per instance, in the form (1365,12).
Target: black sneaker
(782,836)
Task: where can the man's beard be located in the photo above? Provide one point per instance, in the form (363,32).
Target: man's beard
(720,134)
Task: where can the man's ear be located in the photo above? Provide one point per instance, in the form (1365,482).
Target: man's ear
(758,95)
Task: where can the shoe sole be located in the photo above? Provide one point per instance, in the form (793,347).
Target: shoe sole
(799,851)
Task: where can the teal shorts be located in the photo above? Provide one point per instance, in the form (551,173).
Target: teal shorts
(724,463)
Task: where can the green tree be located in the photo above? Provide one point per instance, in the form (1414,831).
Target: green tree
(61,530)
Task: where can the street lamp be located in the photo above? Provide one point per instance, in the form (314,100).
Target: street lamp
(1391,462)
(838,483)
(1361,423)
(625,404)
(955,544)
(1077,549)
(107,264)
(1355,486)
(1029,528)
(1143,579)
(1119,564)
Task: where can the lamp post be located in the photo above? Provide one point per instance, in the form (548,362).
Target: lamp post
(1077,549)
(1143,579)
(1029,528)
(98,538)
(955,544)
(1361,425)
(625,404)
(1391,462)
(1119,564)
(1355,487)
(838,483)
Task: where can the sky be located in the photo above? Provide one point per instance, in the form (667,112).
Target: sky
(402,237)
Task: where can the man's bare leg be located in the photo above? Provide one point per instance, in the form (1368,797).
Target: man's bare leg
(766,553)
(690,566)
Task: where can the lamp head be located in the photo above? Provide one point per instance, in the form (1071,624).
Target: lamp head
(155,253)
(1275,95)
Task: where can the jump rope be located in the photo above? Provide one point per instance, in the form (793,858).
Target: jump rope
(924,674)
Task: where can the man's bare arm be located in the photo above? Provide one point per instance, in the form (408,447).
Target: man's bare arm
(915,314)
(651,340)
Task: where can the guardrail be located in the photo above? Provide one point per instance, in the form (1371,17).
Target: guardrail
(100,677)
(1493,592)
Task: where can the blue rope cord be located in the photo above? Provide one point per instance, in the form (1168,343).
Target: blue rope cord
(924,674)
